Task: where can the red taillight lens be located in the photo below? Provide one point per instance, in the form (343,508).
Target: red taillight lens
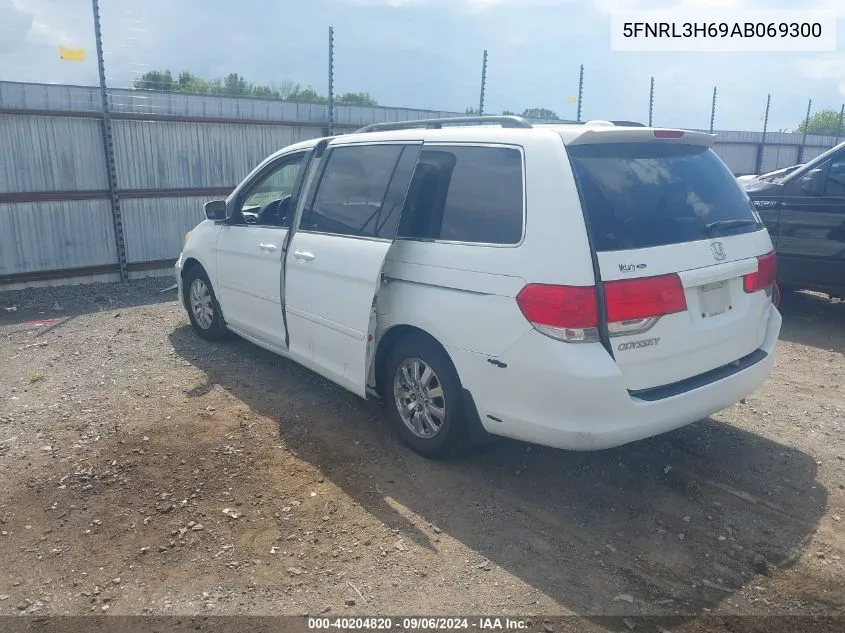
(668,133)
(632,299)
(559,306)
(570,313)
(765,275)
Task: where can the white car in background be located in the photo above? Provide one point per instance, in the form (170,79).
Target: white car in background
(576,286)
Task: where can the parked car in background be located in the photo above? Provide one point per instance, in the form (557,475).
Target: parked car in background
(576,286)
(804,211)
(777,173)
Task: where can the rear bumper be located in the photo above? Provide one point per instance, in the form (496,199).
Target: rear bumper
(574,396)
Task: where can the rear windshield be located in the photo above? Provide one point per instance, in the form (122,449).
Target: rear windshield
(637,195)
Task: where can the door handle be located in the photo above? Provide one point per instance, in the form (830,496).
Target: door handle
(268,247)
(303,255)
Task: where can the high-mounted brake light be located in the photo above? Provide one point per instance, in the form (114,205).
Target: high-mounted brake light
(570,313)
(668,133)
(765,276)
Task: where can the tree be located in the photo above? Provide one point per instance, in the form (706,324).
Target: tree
(308,95)
(154,80)
(264,92)
(236,85)
(357,98)
(508,113)
(188,82)
(284,88)
(540,113)
(823,123)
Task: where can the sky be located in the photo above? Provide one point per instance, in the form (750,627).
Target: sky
(428,54)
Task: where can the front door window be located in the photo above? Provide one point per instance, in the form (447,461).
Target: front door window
(268,201)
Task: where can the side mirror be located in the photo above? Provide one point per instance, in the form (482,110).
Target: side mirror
(812,182)
(215,209)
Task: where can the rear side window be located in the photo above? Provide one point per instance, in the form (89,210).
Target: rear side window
(638,195)
(465,194)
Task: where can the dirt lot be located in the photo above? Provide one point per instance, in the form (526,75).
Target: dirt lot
(145,471)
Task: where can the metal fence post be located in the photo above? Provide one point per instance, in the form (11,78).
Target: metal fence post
(650,101)
(108,149)
(330,99)
(839,129)
(762,147)
(580,91)
(804,137)
(483,84)
(713,111)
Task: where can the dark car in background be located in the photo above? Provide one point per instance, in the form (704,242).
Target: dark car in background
(804,211)
(778,173)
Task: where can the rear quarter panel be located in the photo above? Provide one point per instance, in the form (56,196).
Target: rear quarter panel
(463,294)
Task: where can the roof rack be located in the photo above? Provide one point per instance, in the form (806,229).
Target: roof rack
(436,124)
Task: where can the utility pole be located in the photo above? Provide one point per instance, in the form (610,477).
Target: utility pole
(580,92)
(108,149)
(713,111)
(804,138)
(330,100)
(651,102)
(483,84)
(762,147)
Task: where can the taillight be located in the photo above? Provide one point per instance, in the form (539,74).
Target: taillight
(570,313)
(765,276)
(634,299)
(567,313)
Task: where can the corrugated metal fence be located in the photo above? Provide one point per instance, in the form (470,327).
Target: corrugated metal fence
(173,153)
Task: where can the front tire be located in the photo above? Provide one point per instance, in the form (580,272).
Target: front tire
(422,393)
(203,307)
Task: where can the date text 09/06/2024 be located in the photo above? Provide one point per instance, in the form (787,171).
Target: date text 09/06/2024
(418,624)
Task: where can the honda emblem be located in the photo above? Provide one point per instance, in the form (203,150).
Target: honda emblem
(718,251)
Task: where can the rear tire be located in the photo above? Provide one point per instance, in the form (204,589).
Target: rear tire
(422,393)
(203,308)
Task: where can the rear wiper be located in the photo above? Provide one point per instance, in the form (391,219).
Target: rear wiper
(728,224)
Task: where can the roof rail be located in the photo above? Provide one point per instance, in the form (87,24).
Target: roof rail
(616,123)
(504,121)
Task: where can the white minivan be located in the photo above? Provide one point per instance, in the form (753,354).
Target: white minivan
(576,286)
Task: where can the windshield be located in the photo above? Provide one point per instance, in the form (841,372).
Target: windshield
(639,195)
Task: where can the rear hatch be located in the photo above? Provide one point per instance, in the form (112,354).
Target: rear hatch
(686,264)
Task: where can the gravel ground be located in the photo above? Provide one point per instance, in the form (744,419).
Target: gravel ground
(147,471)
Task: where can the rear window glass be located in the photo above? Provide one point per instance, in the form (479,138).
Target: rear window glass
(638,195)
